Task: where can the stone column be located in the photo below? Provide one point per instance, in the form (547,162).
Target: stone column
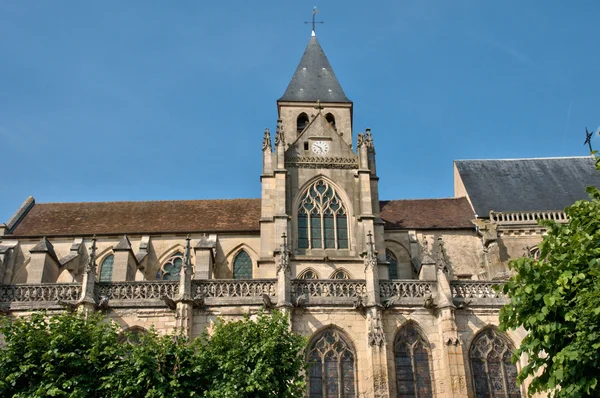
(453,381)
(184,300)
(378,380)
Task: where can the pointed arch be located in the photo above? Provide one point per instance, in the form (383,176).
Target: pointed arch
(492,370)
(100,257)
(340,273)
(332,364)
(413,362)
(308,273)
(392,261)
(132,335)
(106,268)
(322,212)
(242,265)
(330,119)
(170,269)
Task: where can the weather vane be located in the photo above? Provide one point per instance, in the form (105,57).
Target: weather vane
(588,139)
(314,14)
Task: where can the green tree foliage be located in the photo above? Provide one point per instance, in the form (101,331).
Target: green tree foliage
(556,299)
(69,355)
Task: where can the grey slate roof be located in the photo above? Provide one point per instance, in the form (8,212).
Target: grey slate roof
(314,78)
(526,184)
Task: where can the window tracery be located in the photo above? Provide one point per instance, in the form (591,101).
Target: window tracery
(308,274)
(322,218)
(242,266)
(332,367)
(171,268)
(412,357)
(494,375)
(106,269)
(339,274)
(393,264)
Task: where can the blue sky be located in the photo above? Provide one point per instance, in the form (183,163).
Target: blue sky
(150,100)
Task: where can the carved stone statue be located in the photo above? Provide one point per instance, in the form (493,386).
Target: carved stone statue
(266,140)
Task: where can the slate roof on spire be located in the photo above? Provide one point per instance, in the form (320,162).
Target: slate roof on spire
(314,78)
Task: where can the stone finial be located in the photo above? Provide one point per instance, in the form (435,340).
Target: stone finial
(360,140)
(187,257)
(266,140)
(90,267)
(279,136)
(441,259)
(370,255)
(283,261)
(369,141)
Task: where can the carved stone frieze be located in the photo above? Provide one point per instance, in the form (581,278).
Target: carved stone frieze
(306,162)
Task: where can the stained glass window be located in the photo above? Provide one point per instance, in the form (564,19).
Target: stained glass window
(171,269)
(412,357)
(393,264)
(106,269)
(308,274)
(242,266)
(322,219)
(332,367)
(494,375)
(340,274)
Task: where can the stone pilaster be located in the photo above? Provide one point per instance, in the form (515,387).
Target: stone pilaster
(284,275)
(43,267)
(184,308)
(452,370)
(378,379)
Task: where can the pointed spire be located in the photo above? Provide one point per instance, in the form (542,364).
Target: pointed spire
(314,78)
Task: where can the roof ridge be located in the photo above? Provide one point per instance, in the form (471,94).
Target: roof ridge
(146,201)
(512,159)
(420,199)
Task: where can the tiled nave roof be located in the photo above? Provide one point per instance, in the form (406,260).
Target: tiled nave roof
(219,216)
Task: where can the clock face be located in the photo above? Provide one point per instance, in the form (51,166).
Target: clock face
(320,147)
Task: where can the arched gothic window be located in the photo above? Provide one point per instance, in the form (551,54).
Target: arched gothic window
(106,269)
(339,274)
(332,366)
(412,357)
(308,274)
(132,335)
(330,119)
(393,267)
(322,218)
(494,375)
(171,268)
(301,122)
(242,266)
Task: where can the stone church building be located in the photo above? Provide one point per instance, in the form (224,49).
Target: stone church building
(396,296)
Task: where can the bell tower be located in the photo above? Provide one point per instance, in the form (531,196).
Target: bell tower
(316,188)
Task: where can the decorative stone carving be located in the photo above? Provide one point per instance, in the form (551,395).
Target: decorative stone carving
(283,256)
(234,288)
(370,255)
(368,141)
(267,140)
(279,136)
(360,141)
(376,336)
(306,162)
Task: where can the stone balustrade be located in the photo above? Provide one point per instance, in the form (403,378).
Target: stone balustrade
(334,288)
(516,218)
(39,293)
(477,292)
(223,288)
(143,290)
(405,289)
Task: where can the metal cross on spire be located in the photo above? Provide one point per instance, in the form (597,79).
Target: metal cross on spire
(313,22)
(588,139)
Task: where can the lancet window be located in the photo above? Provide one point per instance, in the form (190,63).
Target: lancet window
(242,266)
(494,375)
(171,268)
(106,269)
(393,264)
(332,367)
(322,218)
(301,122)
(412,357)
